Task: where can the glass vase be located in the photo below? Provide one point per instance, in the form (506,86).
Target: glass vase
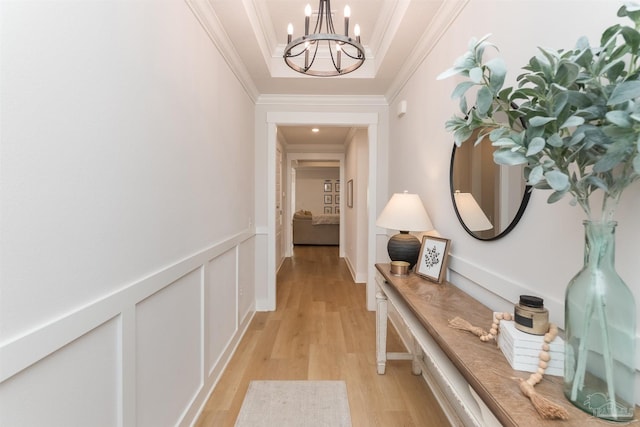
(600,325)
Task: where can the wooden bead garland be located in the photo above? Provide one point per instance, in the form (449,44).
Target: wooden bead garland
(546,408)
(544,355)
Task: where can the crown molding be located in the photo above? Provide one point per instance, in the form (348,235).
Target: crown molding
(389,23)
(446,15)
(263,31)
(209,21)
(330,100)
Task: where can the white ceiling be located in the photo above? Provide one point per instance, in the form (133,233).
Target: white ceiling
(393,33)
(390,30)
(303,136)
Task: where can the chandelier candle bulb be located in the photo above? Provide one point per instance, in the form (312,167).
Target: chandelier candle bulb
(307,16)
(347,14)
(289,32)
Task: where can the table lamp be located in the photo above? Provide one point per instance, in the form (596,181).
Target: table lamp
(404,212)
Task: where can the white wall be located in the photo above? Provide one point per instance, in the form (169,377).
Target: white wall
(546,248)
(126,234)
(310,189)
(357,238)
(282,200)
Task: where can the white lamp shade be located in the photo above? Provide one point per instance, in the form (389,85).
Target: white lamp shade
(471,213)
(405,212)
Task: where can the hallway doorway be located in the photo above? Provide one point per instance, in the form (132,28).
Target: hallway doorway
(312,169)
(266,294)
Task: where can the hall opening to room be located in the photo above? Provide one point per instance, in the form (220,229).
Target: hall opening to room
(317,196)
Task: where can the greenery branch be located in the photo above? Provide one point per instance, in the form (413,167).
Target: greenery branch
(580,108)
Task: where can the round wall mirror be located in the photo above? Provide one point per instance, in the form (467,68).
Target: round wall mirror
(489,199)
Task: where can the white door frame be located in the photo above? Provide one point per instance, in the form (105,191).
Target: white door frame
(368,120)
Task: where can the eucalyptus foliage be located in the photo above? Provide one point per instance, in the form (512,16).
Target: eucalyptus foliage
(580,107)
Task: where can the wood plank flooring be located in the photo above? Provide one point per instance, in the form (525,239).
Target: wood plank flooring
(321,330)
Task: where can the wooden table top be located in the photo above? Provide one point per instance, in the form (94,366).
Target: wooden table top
(482,364)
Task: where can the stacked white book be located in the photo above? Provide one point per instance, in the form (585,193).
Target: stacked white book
(522,350)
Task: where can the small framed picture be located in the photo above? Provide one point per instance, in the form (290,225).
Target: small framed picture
(327,209)
(327,187)
(336,186)
(336,210)
(432,261)
(328,199)
(337,198)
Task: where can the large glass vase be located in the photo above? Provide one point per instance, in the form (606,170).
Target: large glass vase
(600,325)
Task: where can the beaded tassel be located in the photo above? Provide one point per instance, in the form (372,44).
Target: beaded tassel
(547,409)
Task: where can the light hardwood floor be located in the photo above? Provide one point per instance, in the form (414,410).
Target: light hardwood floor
(321,330)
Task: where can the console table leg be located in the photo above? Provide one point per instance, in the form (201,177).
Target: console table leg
(417,356)
(381,331)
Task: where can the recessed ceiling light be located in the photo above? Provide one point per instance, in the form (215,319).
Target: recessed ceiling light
(315,130)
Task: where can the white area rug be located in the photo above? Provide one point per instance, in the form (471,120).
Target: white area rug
(295,404)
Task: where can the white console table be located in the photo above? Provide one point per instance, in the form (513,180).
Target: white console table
(472,380)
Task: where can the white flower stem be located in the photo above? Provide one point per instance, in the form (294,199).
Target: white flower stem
(578,379)
(608,360)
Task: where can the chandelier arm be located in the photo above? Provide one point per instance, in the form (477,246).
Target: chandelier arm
(330,28)
(349,69)
(295,55)
(315,52)
(358,57)
(333,61)
(318,27)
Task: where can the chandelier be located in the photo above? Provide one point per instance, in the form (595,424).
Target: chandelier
(343,54)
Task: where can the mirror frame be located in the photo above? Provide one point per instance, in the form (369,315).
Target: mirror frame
(512,224)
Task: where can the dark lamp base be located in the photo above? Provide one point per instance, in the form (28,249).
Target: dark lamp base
(404,247)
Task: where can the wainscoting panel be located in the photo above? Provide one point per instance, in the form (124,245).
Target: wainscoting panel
(246,280)
(147,355)
(76,385)
(168,350)
(264,300)
(223,318)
